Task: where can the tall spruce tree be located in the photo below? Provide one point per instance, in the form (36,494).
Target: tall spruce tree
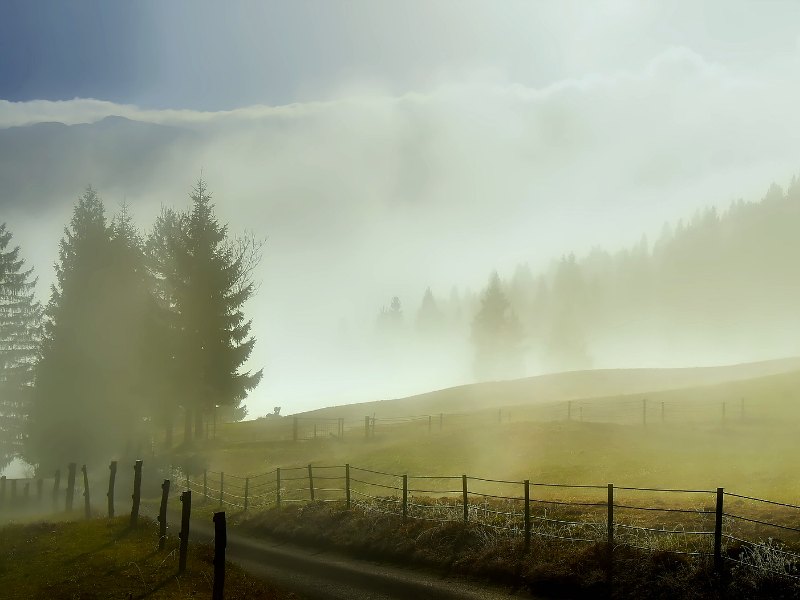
(20,319)
(211,282)
(87,388)
(497,335)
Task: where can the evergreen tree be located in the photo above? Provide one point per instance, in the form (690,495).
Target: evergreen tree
(430,319)
(497,335)
(20,318)
(78,410)
(211,281)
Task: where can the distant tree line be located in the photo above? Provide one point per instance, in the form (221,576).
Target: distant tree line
(722,277)
(141,331)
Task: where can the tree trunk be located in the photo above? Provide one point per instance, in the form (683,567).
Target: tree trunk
(187,425)
(198,424)
(168,434)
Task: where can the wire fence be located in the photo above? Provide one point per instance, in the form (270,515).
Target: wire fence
(727,527)
(628,410)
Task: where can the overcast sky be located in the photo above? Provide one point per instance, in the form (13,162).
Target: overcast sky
(388,146)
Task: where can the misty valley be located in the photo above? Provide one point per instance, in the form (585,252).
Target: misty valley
(435,300)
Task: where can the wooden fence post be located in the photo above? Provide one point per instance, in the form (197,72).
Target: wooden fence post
(718,532)
(70,485)
(186,512)
(311,482)
(205,485)
(221,487)
(315,431)
(220,542)
(246,491)
(527,515)
(610,535)
(278,487)
(112,479)
(347,484)
(466,498)
(56,484)
(162,515)
(430,423)
(405,497)
(87,505)
(137,492)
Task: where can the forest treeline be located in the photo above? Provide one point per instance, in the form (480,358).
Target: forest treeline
(721,279)
(141,332)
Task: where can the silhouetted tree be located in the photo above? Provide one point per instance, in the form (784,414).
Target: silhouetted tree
(210,282)
(82,405)
(20,319)
(497,335)
(430,319)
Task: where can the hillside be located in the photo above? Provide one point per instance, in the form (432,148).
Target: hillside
(555,387)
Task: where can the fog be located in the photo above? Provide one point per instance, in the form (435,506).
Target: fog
(367,194)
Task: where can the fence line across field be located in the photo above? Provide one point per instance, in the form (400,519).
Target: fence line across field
(523,514)
(634,410)
(582,513)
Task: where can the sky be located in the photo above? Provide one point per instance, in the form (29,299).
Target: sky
(382,147)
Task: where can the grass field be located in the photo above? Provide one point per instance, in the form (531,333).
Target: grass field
(103,558)
(752,451)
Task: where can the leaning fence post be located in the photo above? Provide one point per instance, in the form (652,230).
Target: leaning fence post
(311,482)
(405,497)
(221,486)
(246,490)
(464,489)
(162,515)
(718,532)
(347,484)
(186,511)
(137,492)
(610,534)
(527,514)
(278,487)
(220,542)
(56,484)
(87,506)
(70,485)
(112,478)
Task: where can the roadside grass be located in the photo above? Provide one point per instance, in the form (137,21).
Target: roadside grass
(101,558)
(550,567)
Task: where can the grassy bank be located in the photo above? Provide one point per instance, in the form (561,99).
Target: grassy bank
(550,567)
(106,559)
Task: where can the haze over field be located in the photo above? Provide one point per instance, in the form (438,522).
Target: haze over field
(385,150)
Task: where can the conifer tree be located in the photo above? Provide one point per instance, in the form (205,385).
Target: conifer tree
(20,319)
(210,280)
(88,378)
(497,335)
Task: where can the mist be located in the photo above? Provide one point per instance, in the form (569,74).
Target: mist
(368,195)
